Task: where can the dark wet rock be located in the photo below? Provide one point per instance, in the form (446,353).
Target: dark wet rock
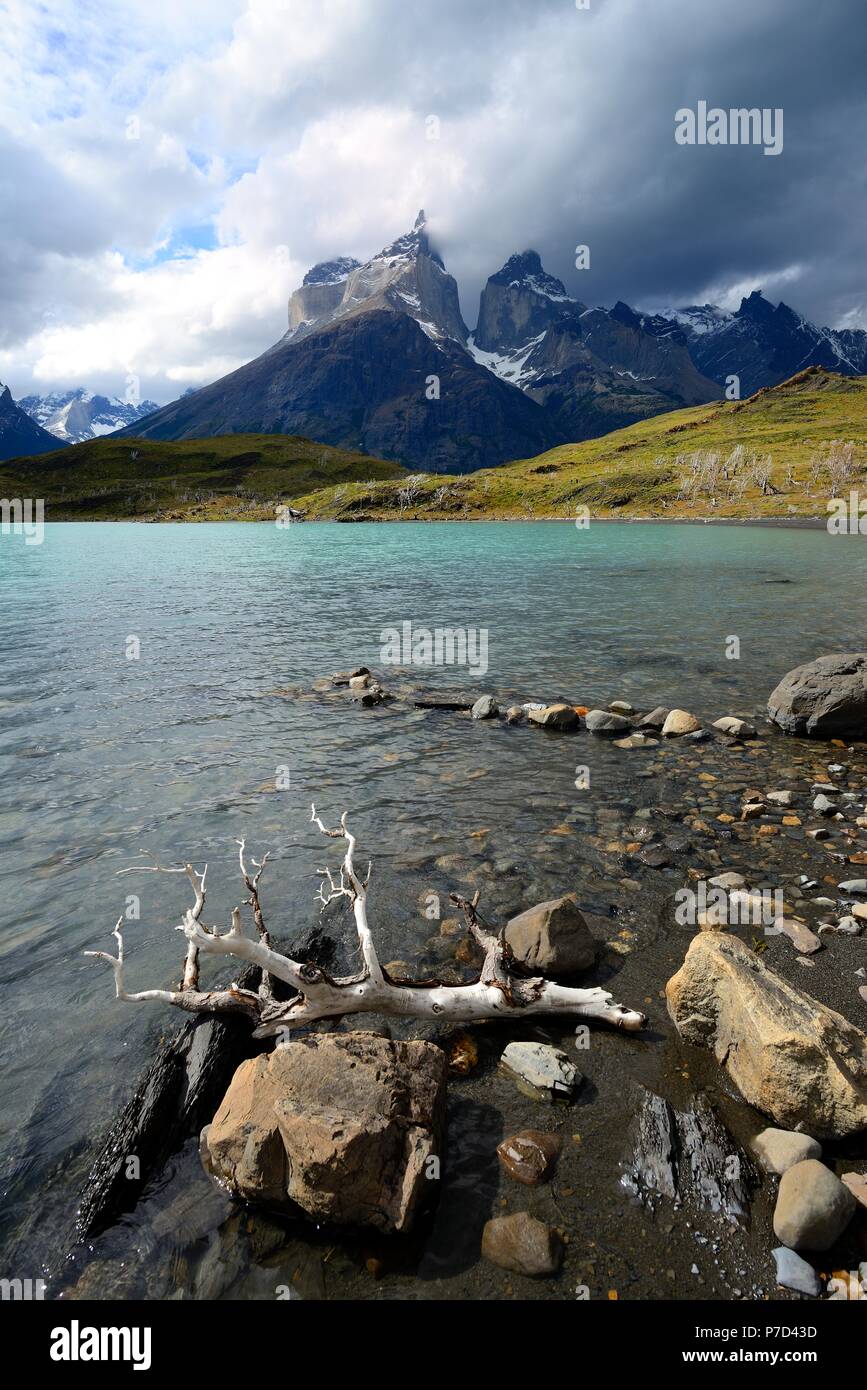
(485,707)
(552,938)
(602,721)
(557,716)
(529,1156)
(175,1096)
(654,857)
(780,1149)
(340,1125)
(813,1207)
(794,1273)
(690,1157)
(522,1244)
(826,698)
(444,699)
(698,736)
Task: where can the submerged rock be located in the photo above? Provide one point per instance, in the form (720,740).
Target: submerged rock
(790,1056)
(522,1244)
(540,1071)
(552,938)
(341,1125)
(813,1207)
(826,698)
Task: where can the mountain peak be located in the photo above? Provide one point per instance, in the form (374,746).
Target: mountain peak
(754,306)
(331,272)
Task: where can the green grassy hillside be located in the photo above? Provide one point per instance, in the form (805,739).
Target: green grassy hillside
(232,477)
(781,453)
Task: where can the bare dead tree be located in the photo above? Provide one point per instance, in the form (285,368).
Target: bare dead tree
(499,992)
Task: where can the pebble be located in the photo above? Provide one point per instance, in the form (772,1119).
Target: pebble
(679,722)
(540,1071)
(529,1156)
(857,1185)
(824,806)
(854,885)
(522,1244)
(794,1273)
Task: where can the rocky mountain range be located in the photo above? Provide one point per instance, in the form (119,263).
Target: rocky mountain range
(377,357)
(19,435)
(764,344)
(76,415)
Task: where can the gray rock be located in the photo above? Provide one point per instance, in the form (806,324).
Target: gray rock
(514,714)
(794,1273)
(813,1207)
(654,719)
(784,798)
(826,698)
(854,885)
(602,721)
(540,1071)
(780,1149)
(485,707)
(824,806)
(522,1244)
(552,938)
(621,707)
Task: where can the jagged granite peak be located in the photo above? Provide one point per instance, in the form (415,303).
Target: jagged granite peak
(331,272)
(525,270)
(19,435)
(407,277)
(79,414)
(764,344)
(517,306)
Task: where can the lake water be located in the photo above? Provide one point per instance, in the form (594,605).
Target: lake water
(177,750)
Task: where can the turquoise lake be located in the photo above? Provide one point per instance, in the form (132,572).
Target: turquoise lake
(179,750)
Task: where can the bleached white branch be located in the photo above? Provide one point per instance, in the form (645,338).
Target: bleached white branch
(498,992)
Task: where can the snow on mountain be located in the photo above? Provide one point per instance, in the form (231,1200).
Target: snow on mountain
(76,415)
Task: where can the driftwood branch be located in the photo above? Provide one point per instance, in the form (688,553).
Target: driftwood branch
(498,993)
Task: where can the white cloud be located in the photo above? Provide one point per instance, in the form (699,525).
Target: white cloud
(274,133)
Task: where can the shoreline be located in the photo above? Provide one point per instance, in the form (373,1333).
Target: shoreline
(794,523)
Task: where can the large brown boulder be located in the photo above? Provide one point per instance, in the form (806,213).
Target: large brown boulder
(826,698)
(341,1125)
(799,1062)
(552,938)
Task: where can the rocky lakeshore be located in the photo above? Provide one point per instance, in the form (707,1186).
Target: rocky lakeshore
(718,1153)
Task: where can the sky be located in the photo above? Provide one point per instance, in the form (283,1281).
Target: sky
(169,169)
